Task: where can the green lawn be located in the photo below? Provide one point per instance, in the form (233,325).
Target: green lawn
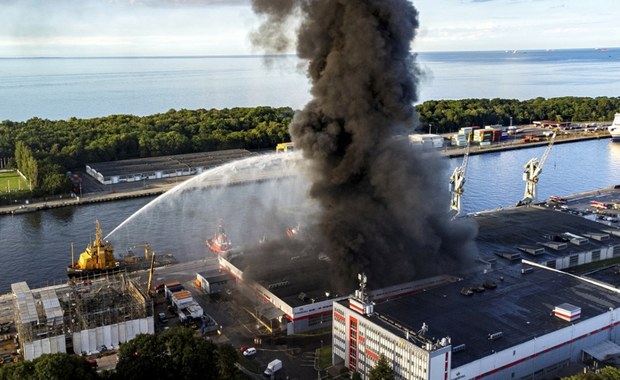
(11,181)
(325,357)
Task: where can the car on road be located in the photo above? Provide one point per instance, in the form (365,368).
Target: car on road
(162,318)
(249,351)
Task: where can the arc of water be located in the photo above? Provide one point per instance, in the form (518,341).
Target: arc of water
(257,168)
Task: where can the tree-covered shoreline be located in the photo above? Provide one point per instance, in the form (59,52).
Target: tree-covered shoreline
(47,149)
(449,115)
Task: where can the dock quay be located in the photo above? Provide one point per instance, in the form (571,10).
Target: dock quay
(153,188)
(518,144)
(107,311)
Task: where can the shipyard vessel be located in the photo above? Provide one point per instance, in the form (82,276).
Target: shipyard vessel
(98,258)
(614,128)
(220,242)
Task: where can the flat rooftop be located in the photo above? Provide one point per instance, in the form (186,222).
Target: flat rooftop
(520,308)
(205,160)
(536,229)
(295,280)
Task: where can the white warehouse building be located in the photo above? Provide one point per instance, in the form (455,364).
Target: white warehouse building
(503,323)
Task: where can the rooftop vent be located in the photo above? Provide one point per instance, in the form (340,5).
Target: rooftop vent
(511,256)
(575,239)
(527,270)
(597,236)
(278,284)
(567,312)
(532,250)
(556,246)
(459,348)
(613,232)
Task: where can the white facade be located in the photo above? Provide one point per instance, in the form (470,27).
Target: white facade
(318,314)
(51,345)
(358,343)
(544,354)
(111,336)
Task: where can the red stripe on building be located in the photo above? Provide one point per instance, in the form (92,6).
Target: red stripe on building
(339,317)
(356,308)
(546,350)
(372,355)
(567,316)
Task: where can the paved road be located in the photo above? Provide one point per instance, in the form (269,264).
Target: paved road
(234,313)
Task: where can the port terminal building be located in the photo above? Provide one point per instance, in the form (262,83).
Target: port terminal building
(113,172)
(518,312)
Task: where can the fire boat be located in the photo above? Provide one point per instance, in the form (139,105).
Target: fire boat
(220,242)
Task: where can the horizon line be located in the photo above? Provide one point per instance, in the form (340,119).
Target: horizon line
(282,55)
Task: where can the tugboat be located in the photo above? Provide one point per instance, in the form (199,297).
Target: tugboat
(294,232)
(97,258)
(220,242)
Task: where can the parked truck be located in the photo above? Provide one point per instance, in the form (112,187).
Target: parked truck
(273,367)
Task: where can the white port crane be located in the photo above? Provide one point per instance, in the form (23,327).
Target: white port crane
(457,183)
(532,171)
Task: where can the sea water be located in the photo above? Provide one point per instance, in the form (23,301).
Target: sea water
(36,247)
(61,88)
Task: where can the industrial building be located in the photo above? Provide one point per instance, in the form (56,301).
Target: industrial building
(295,291)
(521,325)
(515,314)
(84,316)
(215,282)
(113,172)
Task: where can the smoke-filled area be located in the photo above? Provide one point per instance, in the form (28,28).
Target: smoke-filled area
(383,204)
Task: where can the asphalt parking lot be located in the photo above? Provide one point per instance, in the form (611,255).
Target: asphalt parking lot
(238,326)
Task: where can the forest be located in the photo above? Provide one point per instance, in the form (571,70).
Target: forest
(445,116)
(44,150)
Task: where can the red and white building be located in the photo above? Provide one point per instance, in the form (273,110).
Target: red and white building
(528,326)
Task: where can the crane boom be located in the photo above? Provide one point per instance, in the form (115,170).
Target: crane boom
(149,285)
(548,150)
(532,171)
(457,183)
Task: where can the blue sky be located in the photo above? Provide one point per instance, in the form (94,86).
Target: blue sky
(221,27)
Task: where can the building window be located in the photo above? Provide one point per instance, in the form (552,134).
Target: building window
(574,260)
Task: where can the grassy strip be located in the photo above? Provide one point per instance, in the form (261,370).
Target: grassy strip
(325,357)
(585,268)
(11,181)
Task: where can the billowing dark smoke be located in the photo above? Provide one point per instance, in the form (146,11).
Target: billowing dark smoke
(384,204)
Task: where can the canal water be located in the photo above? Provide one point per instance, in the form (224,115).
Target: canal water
(36,247)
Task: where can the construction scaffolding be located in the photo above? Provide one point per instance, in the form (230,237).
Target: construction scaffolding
(87,313)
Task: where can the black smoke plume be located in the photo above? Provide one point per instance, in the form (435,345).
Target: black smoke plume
(384,204)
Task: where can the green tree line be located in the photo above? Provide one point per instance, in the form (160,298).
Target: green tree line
(50,148)
(445,116)
(176,354)
(26,163)
(57,146)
